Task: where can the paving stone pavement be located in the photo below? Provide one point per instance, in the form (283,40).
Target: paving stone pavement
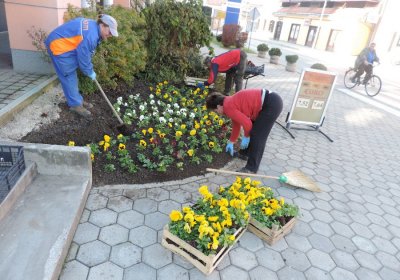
(351,230)
(14,85)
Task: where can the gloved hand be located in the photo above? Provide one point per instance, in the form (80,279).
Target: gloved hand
(229,148)
(245,143)
(200,85)
(92,76)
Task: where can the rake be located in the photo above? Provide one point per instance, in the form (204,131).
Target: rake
(294,178)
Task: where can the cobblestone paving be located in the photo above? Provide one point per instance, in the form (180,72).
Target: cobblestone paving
(351,230)
(14,85)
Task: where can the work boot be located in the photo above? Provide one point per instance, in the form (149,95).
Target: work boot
(81,112)
(87,105)
(245,170)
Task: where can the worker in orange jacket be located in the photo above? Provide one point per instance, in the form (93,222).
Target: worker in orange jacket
(71,46)
(233,63)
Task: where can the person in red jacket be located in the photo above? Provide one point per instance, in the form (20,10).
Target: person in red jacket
(256,110)
(233,63)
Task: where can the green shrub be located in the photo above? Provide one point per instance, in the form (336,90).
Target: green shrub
(219,37)
(275,51)
(117,58)
(319,66)
(262,47)
(230,33)
(177,29)
(292,58)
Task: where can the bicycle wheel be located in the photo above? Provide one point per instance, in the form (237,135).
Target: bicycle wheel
(348,83)
(373,86)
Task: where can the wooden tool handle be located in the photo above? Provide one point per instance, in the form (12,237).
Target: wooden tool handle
(108,101)
(241,174)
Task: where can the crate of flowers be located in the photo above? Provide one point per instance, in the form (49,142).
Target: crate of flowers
(204,233)
(270,218)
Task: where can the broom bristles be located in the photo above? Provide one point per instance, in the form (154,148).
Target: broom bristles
(299,179)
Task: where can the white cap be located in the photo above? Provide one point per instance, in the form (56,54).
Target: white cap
(112,24)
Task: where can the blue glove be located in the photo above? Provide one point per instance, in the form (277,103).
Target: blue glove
(200,85)
(245,143)
(229,148)
(92,76)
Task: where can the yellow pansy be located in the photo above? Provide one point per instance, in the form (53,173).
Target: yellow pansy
(144,131)
(106,146)
(211,144)
(121,146)
(120,136)
(213,218)
(187,228)
(190,152)
(107,138)
(101,143)
(178,133)
(197,126)
(92,157)
(193,132)
(220,122)
(71,143)
(150,130)
(142,143)
(175,215)
(183,126)
(282,201)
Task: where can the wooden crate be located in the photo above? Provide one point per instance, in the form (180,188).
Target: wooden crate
(205,264)
(193,81)
(271,236)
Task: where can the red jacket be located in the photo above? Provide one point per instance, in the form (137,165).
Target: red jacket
(222,63)
(243,108)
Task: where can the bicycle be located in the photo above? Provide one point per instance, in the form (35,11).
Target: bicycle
(372,86)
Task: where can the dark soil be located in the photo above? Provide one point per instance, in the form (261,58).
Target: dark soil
(70,127)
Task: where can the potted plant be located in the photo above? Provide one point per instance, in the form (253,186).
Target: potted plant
(291,62)
(319,66)
(262,50)
(274,54)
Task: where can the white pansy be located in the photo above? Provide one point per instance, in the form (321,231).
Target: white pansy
(176,105)
(141,118)
(151,96)
(171,120)
(141,107)
(192,115)
(168,105)
(152,102)
(162,120)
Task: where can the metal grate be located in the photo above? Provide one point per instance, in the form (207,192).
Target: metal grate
(12,165)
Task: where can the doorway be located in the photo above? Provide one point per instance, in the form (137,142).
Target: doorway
(294,33)
(312,32)
(5,50)
(330,46)
(278,30)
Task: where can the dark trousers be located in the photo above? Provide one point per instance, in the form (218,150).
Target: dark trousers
(262,126)
(235,74)
(368,70)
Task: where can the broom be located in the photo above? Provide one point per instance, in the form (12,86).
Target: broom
(294,178)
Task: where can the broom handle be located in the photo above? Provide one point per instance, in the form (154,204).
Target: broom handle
(108,101)
(241,174)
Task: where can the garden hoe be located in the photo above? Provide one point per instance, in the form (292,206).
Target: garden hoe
(294,178)
(122,128)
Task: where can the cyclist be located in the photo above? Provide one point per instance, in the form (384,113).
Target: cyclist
(364,62)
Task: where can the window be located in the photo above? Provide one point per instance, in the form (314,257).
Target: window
(271,26)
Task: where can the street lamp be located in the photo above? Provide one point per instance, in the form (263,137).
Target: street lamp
(319,24)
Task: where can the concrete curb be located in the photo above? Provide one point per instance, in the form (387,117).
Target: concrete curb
(186,181)
(9,111)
